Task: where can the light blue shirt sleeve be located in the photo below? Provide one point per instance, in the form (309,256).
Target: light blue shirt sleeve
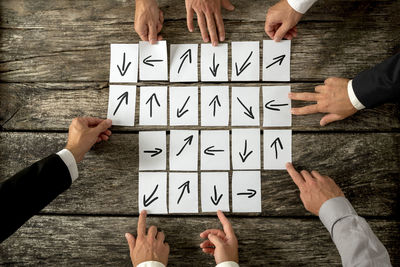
(354,239)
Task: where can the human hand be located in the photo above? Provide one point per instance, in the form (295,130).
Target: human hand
(84,132)
(208,16)
(148,20)
(222,244)
(281,21)
(331,98)
(150,247)
(315,188)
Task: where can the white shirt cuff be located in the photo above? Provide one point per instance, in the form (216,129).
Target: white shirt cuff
(333,210)
(353,98)
(69,160)
(150,264)
(301,6)
(228,264)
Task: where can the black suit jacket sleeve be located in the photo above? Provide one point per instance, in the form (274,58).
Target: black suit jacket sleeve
(380,84)
(30,190)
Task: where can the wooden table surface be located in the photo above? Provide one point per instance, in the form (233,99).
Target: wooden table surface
(54,66)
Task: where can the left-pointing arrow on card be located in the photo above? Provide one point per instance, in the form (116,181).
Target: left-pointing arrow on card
(149,61)
(154,152)
(121,99)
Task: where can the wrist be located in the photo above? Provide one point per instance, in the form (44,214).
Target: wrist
(75,152)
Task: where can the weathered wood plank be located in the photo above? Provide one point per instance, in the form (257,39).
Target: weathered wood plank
(366,166)
(51,106)
(86,241)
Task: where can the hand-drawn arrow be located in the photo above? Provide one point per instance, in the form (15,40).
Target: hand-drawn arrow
(148,201)
(122,97)
(248,112)
(185,55)
(215,102)
(245,156)
(216,199)
(251,193)
(268,106)
(154,152)
(277,59)
(123,71)
(209,151)
(150,100)
(180,112)
(188,141)
(244,65)
(277,140)
(148,61)
(215,68)
(184,186)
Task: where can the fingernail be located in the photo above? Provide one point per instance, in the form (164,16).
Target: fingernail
(222,38)
(292,111)
(206,40)
(109,122)
(290,95)
(191,30)
(214,43)
(126,235)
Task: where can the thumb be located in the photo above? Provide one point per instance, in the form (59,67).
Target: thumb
(215,240)
(227,5)
(103,126)
(330,118)
(280,33)
(131,241)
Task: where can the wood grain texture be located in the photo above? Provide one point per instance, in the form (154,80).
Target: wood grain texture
(366,166)
(100,241)
(52,106)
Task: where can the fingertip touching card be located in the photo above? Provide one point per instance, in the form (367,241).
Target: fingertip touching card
(153,192)
(183,67)
(277,149)
(124,63)
(121,105)
(214,63)
(276,60)
(214,191)
(153,65)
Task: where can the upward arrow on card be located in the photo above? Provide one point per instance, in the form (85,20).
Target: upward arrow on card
(188,141)
(123,70)
(185,55)
(184,186)
(215,102)
(148,61)
(249,111)
(277,59)
(275,145)
(270,106)
(216,199)
(244,65)
(148,201)
(245,155)
(214,69)
(121,99)
(180,112)
(150,100)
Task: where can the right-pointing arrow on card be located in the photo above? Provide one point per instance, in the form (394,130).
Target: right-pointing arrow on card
(216,198)
(277,59)
(154,152)
(250,193)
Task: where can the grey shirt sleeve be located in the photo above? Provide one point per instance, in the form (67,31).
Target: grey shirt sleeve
(354,239)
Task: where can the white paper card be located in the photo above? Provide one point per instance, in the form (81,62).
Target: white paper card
(214,63)
(277,149)
(152,150)
(184,105)
(124,63)
(276,106)
(183,58)
(183,150)
(214,191)
(183,192)
(121,105)
(276,60)
(215,150)
(245,106)
(153,105)
(153,61)
(153,192)
(246,191)
(245,61)
(246,149)
(214,105)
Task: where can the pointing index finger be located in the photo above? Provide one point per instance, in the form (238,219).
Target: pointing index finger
(225,224)
(141,228)
(297,178)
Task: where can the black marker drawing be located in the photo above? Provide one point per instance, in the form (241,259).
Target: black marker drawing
(270,106)
(148,61)
(180,112)
(150,100)
(210,151)
(277,59)
(184,186)
(154,152)
(277,141)
(249,111)
(123,71)
(250,193)
(245,155)
(215,68)
(216,199)
(188,141)
(185,55)
(244,65)
(122,97)
(148,201)
(215,102)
